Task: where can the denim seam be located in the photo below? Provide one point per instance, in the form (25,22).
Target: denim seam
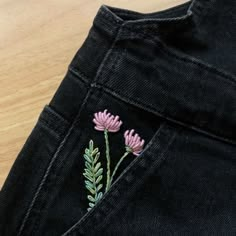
(47,126)
(55,119)
(110,54)
(155,111)
(56,171)
(48,109)
(113,192)
(79,74)
(109,17)
(161,45)
(200,12)
(115,63)
(61,145)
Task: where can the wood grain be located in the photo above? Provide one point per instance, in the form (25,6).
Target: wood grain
(38,40)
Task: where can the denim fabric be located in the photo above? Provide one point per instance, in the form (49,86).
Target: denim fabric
(171,76)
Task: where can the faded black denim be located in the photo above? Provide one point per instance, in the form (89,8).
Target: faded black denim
(171,76)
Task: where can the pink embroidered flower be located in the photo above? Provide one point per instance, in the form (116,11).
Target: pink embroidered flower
(133,142)
(106,121)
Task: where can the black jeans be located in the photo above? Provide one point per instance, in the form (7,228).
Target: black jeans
(170,76)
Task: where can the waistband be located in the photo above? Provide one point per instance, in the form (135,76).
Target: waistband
(124,55)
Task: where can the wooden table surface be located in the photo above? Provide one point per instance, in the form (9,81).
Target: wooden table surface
(37,42)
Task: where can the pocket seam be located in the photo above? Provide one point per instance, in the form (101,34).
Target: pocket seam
(58,149)
(50,119)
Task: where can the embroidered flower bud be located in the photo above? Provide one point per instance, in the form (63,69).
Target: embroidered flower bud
(133,142)
(106,121)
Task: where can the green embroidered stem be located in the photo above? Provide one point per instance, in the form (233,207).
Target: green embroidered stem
(93,174)
(108,158)
(118,164)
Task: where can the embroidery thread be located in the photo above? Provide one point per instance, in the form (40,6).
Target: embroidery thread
(134,145)
(93,171)
(107,123)
(93,174)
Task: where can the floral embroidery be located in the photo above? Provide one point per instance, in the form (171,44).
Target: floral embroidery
(107,122)
(133,143)
(93,171)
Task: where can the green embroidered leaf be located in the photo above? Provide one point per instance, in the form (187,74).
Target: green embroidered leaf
(96,157)
(91,145)
(97,166)
(98,179)
(88,171)
(99,172)
(87,176)
(90,184)
(95,151)
(87,157)
(90,198)
(99,196)
(88,166)
(99,187)
(90,189)
(93,174)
